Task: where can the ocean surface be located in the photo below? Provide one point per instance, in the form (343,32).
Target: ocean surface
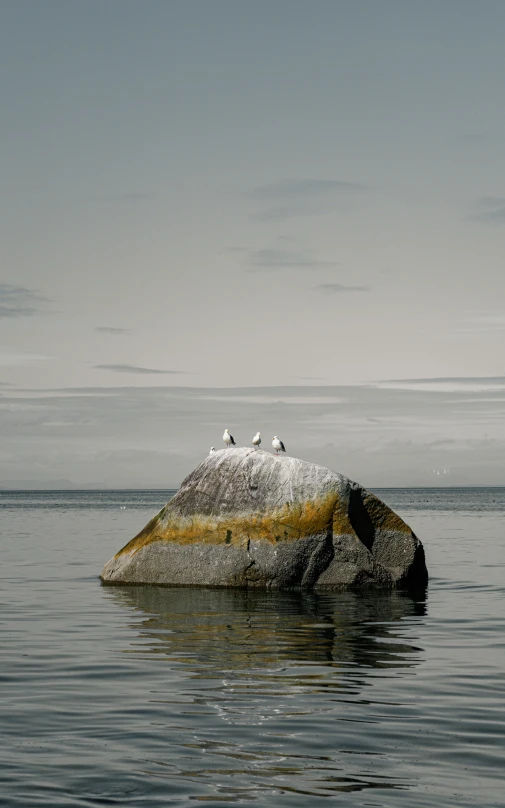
(146,696)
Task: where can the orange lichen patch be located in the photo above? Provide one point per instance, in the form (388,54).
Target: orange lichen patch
(292,521)
(383,517)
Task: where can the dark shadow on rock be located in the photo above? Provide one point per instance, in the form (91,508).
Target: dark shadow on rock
(360,518)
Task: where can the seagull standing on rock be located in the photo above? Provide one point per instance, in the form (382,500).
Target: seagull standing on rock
(278,445)
(257,439)
(212,450)
(228,439)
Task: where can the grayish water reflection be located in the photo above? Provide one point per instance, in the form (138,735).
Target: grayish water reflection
(151,696)
(221,629)
(267,674)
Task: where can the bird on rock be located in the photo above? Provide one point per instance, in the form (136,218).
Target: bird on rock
(228,439)
(278,445)
(212,450)
(257,439)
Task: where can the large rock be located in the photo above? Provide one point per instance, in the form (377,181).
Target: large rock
(246,518)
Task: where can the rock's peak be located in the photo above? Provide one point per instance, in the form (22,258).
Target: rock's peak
(245,479)
(236,455)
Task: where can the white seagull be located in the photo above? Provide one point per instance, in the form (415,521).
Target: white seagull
(257,439)
(228,439)
(212,450)
(278,445)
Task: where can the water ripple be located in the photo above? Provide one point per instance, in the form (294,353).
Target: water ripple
(147,696)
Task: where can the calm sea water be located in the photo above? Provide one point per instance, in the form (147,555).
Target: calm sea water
(145,696)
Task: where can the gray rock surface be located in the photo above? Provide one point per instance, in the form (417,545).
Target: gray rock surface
(246,518)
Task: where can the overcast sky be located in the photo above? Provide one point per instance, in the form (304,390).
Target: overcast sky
(253,215)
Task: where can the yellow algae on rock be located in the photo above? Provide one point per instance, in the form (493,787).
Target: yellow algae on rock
(289,523)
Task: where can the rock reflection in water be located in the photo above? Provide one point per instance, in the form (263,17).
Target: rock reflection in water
(266,681)
(240,629)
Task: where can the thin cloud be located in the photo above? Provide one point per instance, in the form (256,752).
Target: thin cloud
(464,385)
(459,379)
(490,201)
(272,259)
(492,210)
(298,188)
(132,196)
(135,369)
(491,216)
(19,301)
(301,197)
(490,323)
(136,195)
(107,329)
(336,288)
(483,138)
(10,358)
(373,435)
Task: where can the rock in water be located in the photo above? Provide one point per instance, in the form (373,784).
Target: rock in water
(250,519)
